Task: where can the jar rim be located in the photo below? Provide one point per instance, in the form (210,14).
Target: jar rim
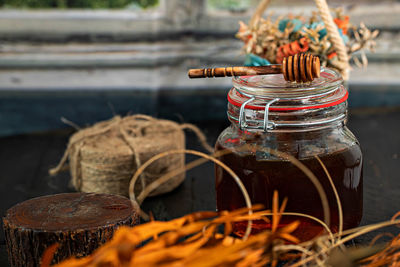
(237,103)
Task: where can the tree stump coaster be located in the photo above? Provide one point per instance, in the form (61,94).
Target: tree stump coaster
(79,222)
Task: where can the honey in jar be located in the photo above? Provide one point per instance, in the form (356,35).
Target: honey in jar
(306,121)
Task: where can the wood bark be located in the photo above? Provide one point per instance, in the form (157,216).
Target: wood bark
(79,222)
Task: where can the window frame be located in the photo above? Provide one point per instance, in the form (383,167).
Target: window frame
(172,19)
(169,19)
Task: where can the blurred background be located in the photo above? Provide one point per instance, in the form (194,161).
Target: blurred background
(86,60)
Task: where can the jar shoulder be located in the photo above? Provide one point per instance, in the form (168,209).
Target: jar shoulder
(298,144)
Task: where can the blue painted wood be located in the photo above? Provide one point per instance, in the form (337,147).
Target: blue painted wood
(372,95)
(24,112)
(33,111)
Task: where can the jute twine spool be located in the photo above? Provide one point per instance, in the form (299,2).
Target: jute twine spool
(103,158)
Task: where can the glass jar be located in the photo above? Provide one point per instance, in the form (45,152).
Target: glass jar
(304,120)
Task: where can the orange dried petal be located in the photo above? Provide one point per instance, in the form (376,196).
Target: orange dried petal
(290,227)
(289,237)
(275,216)
(49,254)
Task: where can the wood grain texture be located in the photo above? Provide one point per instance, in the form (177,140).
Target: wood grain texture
(293,68)
(79,222)
(25,159)
(234,71)
(303,67)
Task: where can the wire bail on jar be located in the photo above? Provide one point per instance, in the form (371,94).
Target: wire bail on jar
(267,125)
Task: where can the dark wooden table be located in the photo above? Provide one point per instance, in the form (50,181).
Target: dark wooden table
(25,160)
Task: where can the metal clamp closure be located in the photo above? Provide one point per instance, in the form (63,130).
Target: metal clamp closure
(267,125)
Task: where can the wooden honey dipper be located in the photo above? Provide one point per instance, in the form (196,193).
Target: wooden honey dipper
(302,67)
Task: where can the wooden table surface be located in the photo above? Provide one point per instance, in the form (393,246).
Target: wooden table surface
(25,160)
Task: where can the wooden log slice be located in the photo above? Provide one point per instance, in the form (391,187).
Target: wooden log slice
(79,222)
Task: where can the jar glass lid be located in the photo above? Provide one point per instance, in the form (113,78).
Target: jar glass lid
(274,85)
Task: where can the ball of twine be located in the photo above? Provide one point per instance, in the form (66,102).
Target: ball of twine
(103,158)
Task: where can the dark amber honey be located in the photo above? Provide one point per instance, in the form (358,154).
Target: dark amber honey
(262,177)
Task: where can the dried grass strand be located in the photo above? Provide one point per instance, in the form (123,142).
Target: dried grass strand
(200,135)
(147,190)
(339,204)
(163,179)
(197,153)
(376,238)
(331,235)
(311,176)
(361,231)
